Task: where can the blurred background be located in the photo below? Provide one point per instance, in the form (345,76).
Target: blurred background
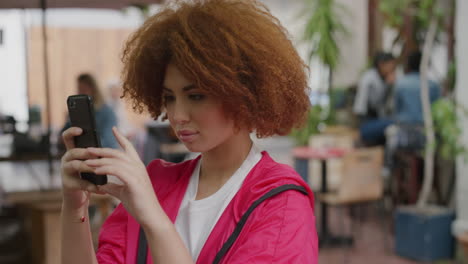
(384,147)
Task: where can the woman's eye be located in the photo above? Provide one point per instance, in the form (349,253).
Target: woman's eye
(197,97)
(168,98)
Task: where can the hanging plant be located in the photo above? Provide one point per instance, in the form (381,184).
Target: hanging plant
(322,29)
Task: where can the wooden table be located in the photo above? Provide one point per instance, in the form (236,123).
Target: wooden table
(28,185)
(41,211)
(322,155)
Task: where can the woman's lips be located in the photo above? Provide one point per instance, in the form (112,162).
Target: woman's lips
(186,135)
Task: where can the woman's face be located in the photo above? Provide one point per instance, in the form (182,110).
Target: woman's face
(197,118)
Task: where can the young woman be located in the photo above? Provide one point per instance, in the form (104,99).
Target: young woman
(218,70)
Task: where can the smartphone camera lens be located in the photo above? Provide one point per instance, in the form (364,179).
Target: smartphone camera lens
(72,104)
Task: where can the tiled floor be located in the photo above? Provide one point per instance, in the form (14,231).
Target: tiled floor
(371,243)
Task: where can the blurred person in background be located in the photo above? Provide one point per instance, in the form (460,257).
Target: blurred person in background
(373,99)
(407,100)
(116,103)
(218,70)
(105,116)
(408,129)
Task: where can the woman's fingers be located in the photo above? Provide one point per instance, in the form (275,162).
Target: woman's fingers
(100,162)
(95,163)
(74,181)
(90,187)
(112,189)
(116,171)
(122,168)
(76,166)
(126,145)
(107,153)
(68,136)
(77,154)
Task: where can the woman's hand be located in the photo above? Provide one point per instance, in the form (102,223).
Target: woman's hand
(136,193)
(75,190)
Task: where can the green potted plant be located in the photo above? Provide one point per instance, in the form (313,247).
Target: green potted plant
(314,119)
(323,27)
(320,33)
(448,131)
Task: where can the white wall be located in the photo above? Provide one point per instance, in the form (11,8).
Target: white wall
(461,224)
(87,18)
(353,46)
(13,52)
(288,14)
(13,97)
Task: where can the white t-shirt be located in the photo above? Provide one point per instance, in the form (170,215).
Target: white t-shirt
(197,218)
(371,95)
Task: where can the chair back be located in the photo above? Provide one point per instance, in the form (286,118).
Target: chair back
(362,175)
(334,166)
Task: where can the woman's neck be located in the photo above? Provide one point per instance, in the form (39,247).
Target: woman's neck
(220,163)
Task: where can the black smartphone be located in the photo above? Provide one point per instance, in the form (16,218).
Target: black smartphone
(81,112)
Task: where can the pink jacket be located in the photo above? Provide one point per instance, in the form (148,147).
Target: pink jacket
(280,230)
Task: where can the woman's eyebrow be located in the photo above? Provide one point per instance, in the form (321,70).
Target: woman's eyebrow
(185,89)
(167,90)
(189,87)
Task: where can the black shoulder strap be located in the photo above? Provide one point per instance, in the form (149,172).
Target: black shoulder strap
(228,244)
(143,245)
(142,251)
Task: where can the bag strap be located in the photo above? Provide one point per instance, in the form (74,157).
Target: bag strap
(143,245)
(142,251)
(228,244)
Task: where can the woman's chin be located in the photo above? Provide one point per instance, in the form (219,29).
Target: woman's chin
(193,147)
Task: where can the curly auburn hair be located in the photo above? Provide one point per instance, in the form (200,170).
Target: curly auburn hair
(234,50)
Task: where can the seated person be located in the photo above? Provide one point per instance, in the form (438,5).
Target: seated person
(105,116)
(408,131)
(408,106)
(373,95)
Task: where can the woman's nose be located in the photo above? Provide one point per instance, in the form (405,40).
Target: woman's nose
(181,114)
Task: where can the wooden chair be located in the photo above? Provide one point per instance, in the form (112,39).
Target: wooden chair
(361,182)
(361,178)
(331,139)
